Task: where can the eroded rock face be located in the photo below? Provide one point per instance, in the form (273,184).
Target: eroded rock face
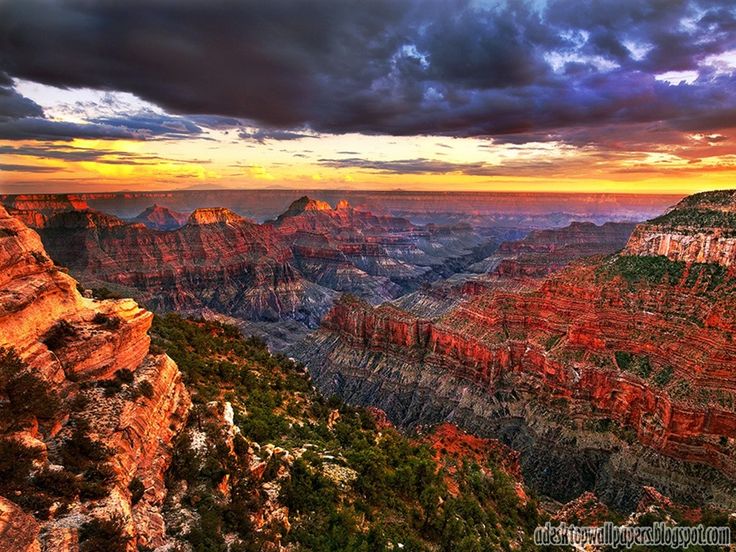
(214,215)
(608,376)
(288,270)
(218,260)
(72,343)
(18,530)
(34,209)
(545,251)
(700,229)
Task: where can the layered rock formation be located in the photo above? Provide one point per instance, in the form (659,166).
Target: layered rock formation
(74,349)
(273,274)
(518,264)
(700,229)
(35,209)
(544,251)
(610,375)
(218,260)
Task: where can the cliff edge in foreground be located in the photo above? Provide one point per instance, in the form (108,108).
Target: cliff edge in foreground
(88,412)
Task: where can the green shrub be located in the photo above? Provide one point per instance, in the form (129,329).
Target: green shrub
(103,534)
(59,483)
(16,463)
(107,321)
(650,270)
(27,394)
(636,364)
(697,217)
(137,490)
(59,335)
(146,389)
(664,376)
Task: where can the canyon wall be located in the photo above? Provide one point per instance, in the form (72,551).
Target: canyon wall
(616,373)
(77,349)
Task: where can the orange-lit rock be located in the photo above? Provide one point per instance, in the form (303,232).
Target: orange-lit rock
(18,530)
(66,340)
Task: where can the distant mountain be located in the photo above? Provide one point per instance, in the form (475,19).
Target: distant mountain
(290,269)
(158,217)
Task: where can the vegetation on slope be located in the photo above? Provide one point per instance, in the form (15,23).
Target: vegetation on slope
(652,270)
(81,469)
(697,218)
(347,484)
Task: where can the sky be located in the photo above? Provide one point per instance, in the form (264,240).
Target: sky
(556,95)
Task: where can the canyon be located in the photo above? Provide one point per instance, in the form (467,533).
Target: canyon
(610,375)
(273,278)
(588,364)
(107,443)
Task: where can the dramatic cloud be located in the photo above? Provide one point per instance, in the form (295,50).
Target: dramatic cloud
(23,119)
(262,135)
(10,167)
(402,67)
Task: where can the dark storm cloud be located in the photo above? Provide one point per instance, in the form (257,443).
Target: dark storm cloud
(400,67)
(13,105)
(23,119)
(152,124)
(262,135)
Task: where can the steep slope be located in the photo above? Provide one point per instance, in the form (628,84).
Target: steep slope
(87,409)
(610,375)
(701,229)
(266,463)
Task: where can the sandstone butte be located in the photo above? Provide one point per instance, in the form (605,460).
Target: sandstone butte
(35,298)
(158,217)
(625,362)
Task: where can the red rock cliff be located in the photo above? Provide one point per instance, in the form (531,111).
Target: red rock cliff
(72,343)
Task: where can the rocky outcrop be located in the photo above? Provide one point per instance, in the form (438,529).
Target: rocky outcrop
(610,375)
(305,204)
(78,347)
(316,216)
(18,530)
(214,215)
(699,229)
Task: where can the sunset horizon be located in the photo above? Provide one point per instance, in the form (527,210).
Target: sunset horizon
(476,96)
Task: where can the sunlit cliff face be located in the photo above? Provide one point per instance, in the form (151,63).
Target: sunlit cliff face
(549,95)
